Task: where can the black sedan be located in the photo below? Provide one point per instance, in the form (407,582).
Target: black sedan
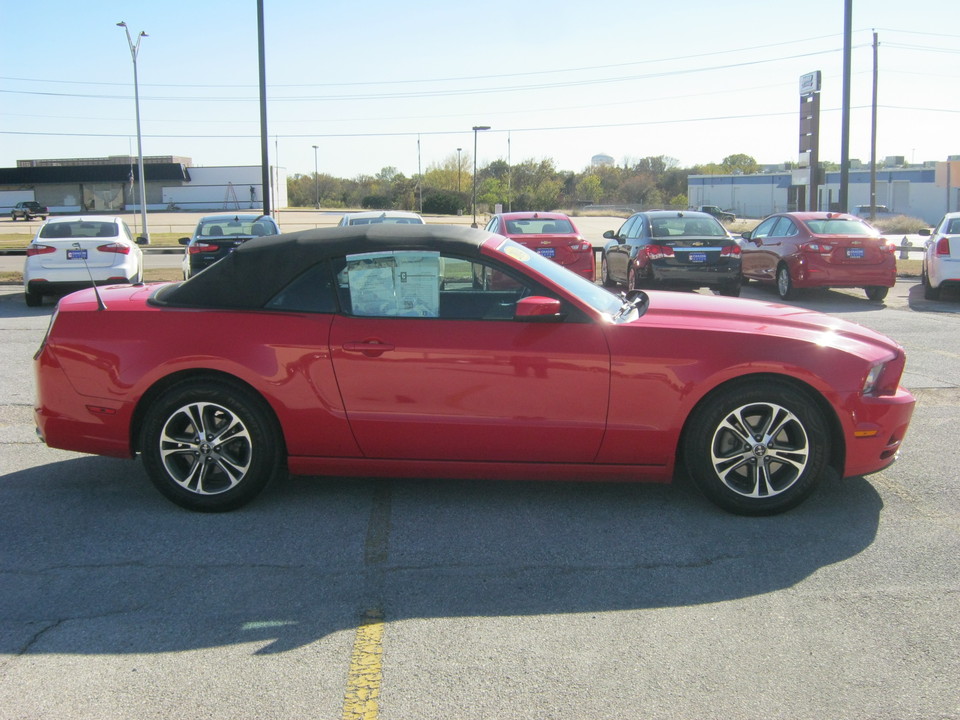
(217,236)
(669,248)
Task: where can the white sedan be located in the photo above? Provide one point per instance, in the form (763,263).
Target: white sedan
(71,253)
(941,259)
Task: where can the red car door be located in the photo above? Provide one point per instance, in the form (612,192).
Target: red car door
(474,390)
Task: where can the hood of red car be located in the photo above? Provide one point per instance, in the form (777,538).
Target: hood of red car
(757,317)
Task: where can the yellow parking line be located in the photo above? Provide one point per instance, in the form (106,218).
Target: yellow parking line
(361,700)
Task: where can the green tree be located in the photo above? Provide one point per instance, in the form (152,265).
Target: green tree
(739,163)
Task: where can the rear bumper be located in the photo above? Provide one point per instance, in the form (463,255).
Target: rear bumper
(817,274)
(52,287)
(686,276)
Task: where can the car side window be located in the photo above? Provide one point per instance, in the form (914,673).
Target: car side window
(785,228)
(630,228)
(493,225)
(421,284)
(312,291)
(764,228)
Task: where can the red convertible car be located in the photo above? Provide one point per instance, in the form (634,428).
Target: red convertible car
(389,351)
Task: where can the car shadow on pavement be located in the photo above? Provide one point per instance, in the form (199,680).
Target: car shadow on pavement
(96,561)
(948,302)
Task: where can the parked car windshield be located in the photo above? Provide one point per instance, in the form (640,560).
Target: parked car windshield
(840,226)
(539,226)
(219,228)
(686,226)
(79,229)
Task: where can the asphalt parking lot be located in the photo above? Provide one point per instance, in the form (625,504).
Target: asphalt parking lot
(334,598)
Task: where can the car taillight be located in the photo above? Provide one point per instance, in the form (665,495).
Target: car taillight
(822,248)
(118,248)
(581,246)
(658,252)
(39,250)
(202,248)
(943,246)
(730,250)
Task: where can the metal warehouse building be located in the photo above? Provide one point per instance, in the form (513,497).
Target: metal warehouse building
(80,185)
(924,192)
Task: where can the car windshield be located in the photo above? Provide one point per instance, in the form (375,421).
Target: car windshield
(603,301)
(79,229)
(686,227)
(383,219)
(841,226)
(540,226)
(236,227)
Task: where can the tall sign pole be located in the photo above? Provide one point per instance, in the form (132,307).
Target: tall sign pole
(810,133)
(264,140)
(845,110)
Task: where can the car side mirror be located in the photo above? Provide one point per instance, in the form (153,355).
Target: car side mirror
(184,241)
(538,309)
(926,232)
(609,235)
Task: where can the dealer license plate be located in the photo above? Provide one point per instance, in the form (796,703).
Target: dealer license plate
(698,257)
(76,254)
(547,252)
(855,253)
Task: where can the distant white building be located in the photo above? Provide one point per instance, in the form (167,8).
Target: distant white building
(920,192)
(108,184)
(601,160)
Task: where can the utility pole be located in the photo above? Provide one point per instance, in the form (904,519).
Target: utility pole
(845,110)
(873,137)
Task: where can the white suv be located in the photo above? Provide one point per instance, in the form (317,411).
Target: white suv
(941,259)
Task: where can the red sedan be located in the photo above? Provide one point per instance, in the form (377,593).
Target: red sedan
(383,351)
(798,250)
(551,234)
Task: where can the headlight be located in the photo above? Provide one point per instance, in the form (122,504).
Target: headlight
(870,381)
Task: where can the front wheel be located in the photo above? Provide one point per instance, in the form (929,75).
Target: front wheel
(876,293)
(757,450)
(210,446)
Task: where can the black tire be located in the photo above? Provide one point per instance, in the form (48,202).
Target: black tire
(219,470)
(740,465)
(929,292)
(876,293)
(731,290)
(632,279)
(605,273)
(33,299)
(785,288)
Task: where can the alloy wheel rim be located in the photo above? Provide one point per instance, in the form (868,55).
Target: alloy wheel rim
(205,448)
(760,450)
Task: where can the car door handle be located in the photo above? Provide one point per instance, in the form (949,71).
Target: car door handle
(370,348)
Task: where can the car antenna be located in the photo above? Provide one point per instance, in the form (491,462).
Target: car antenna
(83,256)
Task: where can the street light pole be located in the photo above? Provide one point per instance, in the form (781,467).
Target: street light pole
(134,49)
(476,128)
(316,175)
(458,170)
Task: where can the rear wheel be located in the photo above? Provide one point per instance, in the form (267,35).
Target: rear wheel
(32,298)
(210,446)
(785,288)
(731,290)
(876,293)
(929,292)
(759,449)
(605,273)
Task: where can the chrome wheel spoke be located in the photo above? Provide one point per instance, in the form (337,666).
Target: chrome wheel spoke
(206,448)
(759,450)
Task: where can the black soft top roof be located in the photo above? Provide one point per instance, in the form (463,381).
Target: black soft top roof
(260,268)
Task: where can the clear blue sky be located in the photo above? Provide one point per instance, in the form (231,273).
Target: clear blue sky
(693,80)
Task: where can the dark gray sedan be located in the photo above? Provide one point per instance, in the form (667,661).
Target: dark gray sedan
(672,249)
